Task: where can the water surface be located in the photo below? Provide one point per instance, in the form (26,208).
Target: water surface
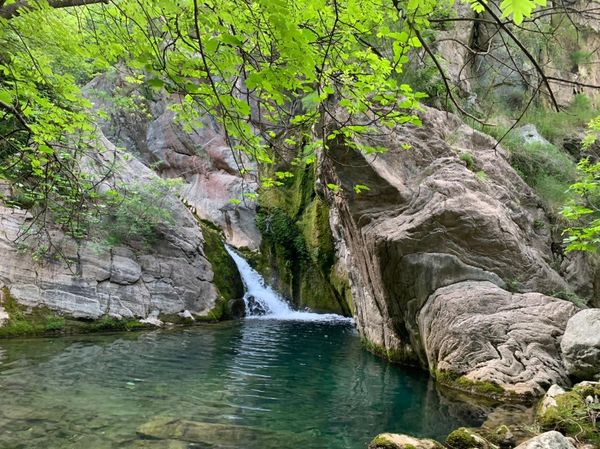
(297,384)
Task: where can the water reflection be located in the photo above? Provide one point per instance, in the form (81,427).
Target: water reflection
(309,381)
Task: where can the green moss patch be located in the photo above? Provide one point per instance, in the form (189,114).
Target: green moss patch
(226,275)
(405,357)
(42,321)
(573,416)
(463,438)
(486,389)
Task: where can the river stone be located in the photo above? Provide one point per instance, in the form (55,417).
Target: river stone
(581,344)
(488,334)
(463,438)
(400,441)
(548,440)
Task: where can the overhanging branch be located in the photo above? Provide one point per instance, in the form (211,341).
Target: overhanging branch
(17,8)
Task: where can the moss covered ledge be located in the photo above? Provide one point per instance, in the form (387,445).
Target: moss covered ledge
(484,389)
(44,322)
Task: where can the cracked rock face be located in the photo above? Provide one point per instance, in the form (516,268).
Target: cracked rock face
(581,344)
(127,281)
(488,334)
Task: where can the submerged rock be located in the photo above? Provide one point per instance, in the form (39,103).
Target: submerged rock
(548,440)
(495,338)
(581,344)
(400,441)
(207,433)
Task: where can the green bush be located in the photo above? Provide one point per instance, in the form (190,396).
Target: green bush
(138,211)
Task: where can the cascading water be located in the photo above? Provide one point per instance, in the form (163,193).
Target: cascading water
(263,302)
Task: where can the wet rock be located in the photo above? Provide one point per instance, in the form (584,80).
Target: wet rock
(400,441)
(548,440)
(490,335)
(581,344)
(463,438)
(253,306)
(236,308)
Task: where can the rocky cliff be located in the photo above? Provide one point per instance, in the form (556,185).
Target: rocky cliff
(131,280)
(450,258)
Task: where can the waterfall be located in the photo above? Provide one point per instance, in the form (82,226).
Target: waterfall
(262,302)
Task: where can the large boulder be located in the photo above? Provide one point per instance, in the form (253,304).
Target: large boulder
(130,280)
(489,335)
(449,209)
(581,344)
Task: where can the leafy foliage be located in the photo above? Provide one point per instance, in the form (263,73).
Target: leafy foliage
(276,74)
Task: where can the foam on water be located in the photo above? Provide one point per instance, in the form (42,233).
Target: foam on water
(274,306)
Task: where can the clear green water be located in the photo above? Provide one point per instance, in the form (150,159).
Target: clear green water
(289,384)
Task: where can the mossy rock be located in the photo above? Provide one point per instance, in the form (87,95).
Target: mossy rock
(483,388)
(400,441)
(297,251)
(572,414)
(503,437)
(463,438)
(405,356)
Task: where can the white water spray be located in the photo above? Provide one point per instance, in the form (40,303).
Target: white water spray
(262,302)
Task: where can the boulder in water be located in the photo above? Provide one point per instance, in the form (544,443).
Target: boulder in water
(254,307)
(400,441)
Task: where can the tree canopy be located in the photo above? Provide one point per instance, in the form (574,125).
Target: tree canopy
(274,73)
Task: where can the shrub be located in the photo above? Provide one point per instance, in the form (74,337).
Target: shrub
(138,211)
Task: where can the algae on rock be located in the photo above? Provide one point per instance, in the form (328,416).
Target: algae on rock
(297,252)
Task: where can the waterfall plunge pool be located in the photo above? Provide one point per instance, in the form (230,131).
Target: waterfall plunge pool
(279,379)
(253,384)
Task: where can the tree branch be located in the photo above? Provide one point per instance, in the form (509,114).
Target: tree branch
(525,51)
(17,8)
